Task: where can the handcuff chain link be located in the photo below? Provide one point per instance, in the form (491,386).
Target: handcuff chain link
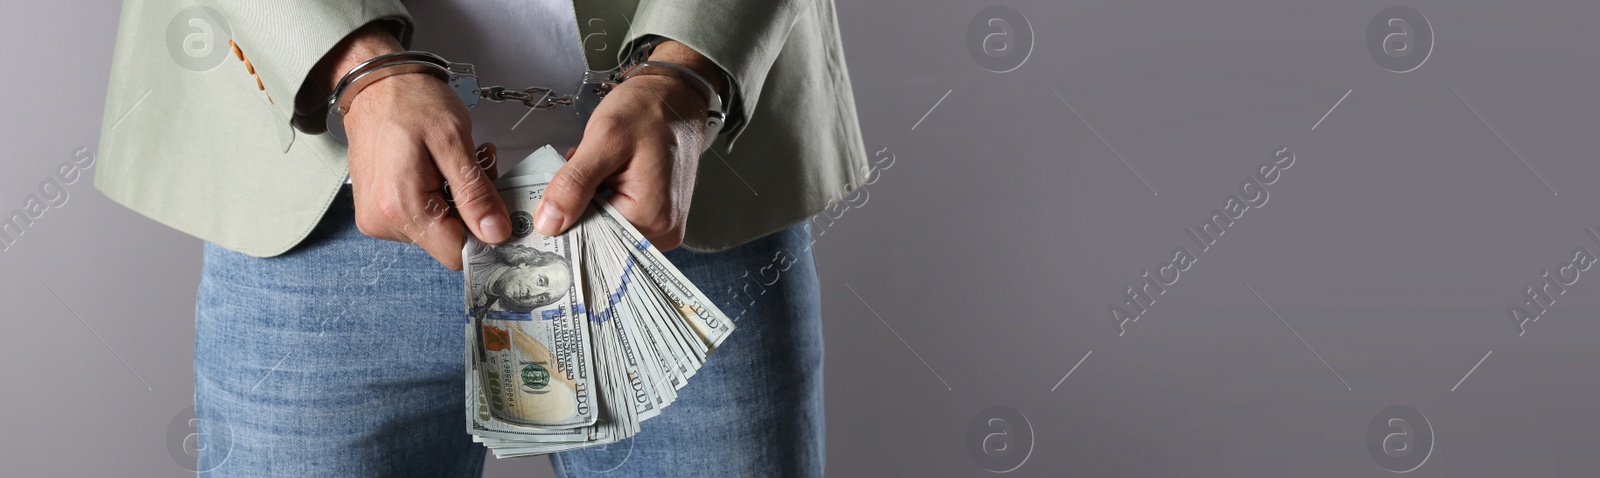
(537,97)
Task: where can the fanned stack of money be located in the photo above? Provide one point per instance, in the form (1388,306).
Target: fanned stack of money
(573,340)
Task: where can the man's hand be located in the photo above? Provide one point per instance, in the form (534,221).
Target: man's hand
(644,141)
(408,135)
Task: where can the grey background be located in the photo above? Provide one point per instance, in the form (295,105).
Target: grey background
(992,247)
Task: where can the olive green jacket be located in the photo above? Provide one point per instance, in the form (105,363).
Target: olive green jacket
(200,123)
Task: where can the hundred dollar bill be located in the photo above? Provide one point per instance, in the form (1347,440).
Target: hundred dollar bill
(526,302)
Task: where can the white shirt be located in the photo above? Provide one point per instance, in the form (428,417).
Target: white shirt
(515,44)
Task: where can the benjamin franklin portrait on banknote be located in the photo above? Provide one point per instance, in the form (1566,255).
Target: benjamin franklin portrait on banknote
(518,278)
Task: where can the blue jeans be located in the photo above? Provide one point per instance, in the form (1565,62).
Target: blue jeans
(343,358)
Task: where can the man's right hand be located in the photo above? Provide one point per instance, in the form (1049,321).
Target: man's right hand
(408,135)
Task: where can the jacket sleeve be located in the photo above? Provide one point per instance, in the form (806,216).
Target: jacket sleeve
(284,39)
(742,37)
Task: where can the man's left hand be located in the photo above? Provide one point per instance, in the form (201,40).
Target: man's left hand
(644,141)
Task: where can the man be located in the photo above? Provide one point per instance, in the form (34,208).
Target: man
(328,340)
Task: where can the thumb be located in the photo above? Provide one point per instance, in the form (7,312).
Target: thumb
(476,199)
(573,186)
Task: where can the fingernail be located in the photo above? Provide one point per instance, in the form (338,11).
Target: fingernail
(494,228)
(549,220)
